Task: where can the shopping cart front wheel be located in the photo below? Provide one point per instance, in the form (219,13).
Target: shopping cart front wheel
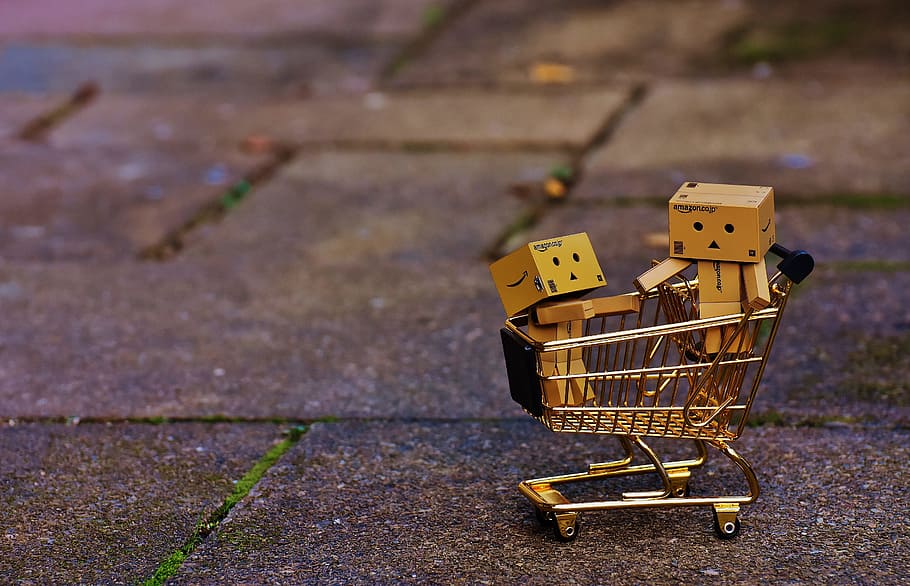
(726,522)
(564,525)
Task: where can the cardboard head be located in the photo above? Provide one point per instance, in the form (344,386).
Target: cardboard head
(710,221)
(565,265)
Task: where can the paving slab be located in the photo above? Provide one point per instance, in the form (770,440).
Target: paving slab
(172,18)
(811,138)
(506,41)
(469,118)
(351,284)
(99,503)
(840,351)
(799,37)
(213,68)
(121,339)
(421,502)
(103,204)
(393,262)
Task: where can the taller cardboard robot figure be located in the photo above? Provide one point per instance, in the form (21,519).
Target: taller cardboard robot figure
(725,230)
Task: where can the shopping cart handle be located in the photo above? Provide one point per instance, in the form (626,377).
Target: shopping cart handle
(796,264)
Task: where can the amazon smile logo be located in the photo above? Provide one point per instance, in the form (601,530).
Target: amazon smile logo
(538,284)
(524,276)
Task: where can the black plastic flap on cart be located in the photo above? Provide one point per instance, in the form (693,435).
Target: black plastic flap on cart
(521,367)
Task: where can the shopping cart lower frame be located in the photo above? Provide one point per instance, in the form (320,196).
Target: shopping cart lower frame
(647,376)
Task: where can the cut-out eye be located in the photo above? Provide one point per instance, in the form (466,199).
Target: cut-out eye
(575,257)
(698,226)
(556,260)
(728,228)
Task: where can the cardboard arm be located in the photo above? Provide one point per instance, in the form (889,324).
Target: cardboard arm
(565,311)
(665,269)
(616,305)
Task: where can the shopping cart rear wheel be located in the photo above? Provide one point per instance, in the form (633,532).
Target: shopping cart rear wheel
(543,517)
(565,526)
(726,530)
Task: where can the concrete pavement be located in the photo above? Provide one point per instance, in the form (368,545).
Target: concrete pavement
(250,336)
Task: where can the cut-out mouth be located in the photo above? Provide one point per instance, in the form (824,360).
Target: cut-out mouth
(714,245)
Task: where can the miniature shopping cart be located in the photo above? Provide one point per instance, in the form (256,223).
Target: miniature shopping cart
(646,375)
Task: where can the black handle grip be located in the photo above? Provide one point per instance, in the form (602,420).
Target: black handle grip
(795,264)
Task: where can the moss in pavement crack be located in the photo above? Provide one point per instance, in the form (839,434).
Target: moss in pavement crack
(204,528)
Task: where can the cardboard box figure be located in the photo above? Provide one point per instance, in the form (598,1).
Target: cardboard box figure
(546,278)
(725,230)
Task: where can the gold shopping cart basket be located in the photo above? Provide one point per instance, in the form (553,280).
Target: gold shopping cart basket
(646,376)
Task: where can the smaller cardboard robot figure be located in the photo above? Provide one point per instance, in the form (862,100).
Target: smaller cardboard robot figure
(546,279)
(725,230)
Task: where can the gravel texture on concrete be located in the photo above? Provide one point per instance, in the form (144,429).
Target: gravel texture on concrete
(421,502)
(105,504)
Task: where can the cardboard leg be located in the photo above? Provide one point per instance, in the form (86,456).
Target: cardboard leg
(565,392)
(716,337)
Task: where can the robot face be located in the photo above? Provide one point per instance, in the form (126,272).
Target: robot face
(567,265)
(721,222)
(540,270)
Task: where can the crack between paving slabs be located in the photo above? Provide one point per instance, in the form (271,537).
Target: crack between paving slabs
(213,211)
(38,128)
(850,201)
(435,23)
(171,565)
(284,153)
(569,175)
(767,418)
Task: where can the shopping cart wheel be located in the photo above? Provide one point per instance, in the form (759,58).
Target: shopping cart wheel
(543,517)
(565,527)
(726,525)
(682,491)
